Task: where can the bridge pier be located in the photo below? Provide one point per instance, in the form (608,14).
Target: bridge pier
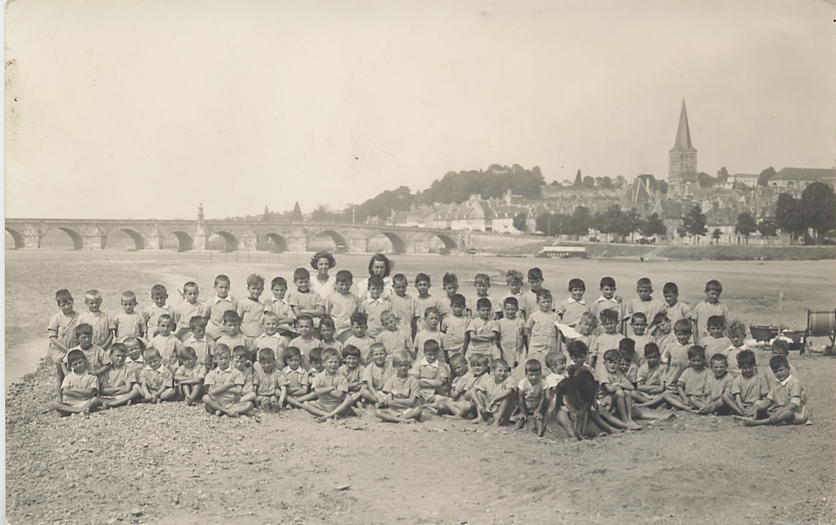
(248,241)
(357,242)
(153,241)
(296,241)
(93,239)
(31,237)
(417,246)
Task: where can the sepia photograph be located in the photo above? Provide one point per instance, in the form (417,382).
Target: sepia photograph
(368,262)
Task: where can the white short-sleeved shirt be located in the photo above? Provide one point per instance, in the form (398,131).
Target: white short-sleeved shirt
(75,381)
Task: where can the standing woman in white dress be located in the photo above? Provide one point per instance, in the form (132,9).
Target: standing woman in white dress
(380,265)
(321,282)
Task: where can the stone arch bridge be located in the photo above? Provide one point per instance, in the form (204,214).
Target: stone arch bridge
(193,234)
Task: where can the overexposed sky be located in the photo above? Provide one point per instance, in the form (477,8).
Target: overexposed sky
(143,108)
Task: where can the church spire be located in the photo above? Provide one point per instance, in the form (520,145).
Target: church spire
(683,133)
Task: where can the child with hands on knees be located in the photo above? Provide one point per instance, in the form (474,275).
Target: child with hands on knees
(189,376)
(400,401)
(269,382)
(119,385)
(331,389)
(224,385)
(156,380)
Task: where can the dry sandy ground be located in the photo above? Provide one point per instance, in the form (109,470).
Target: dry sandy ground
(173,464)
(177,465)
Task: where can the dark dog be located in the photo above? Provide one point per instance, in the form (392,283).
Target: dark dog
(577,394)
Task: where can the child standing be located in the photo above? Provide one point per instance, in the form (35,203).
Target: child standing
(424,299)
(128,323)
(644,302)
(514,280)
(675,308)
(101,323)
(530,303)
(331,389)
(189,376)
(609,337)
(156,381)
(404,306)
(341,304)
(198,341)
(374,305)
(482,332)
(531,397)
(454,326)
(119,385)
(79,390)
(166,342)
(640,337)
(709,307)
(269,381)
(608,301)
(223,385)
(511,333)
(215,308)
(271,339)
(327,329)
(304,301)
(450,285)
(540,328)
(393,338)
(158,307)
(251,310)
(401,390)
(279,306)
(716,342)
(61,331)
(190,307)
(359,338)
(482,283)
(429,332)
(736,332)
(571,309)
(231,334)
(675,354)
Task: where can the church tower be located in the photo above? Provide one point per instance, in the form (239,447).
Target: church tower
(682,156)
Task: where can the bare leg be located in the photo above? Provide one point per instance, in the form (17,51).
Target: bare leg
(314,411)
(649,413)
(600,423)
(340,410)
(195,394)
(622,406)
(168,394)
(123,399)
(59,376)
(674,401)
(566,423)
(611,419)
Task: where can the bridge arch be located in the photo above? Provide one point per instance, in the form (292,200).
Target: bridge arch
(135,236)
(75,237)
(396,243)
(17,237)
(275,242)
(229,239)
(185,241)
(448,243)
(340,243)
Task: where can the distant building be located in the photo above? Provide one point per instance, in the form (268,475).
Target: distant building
(682,157)
(796,179)
(749,179)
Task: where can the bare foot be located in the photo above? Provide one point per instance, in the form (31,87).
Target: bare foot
(321,419)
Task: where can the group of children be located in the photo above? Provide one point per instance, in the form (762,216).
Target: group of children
(482,359)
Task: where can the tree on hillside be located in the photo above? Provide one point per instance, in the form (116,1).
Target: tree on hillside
(818,205)
(459,186)
(296,214)
(520,221)
(382,204)
(693,223)
(613,220)
(789,215)
(578,223)
(746,225)
(767,228)
(588,182)
(716,234)
(578,180)
(763,178)
(653,225)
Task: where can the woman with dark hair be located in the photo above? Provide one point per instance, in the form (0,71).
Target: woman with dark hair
(379,265)
(321,282)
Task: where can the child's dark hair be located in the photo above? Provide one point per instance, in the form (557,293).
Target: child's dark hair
(266,353)
(63,295)
(608,315)
(220,349)
(351,350)
(229,317)
(327,321)
(240,351)
(130,295)
(187,352)
(158,289)
(644,282)
(715,285)
(278,281)
(577,349)
(638,316)
(449,278)
(431,345)
(359,318)
(717,320)
(399,278)
(651,350)
(376,281)
(422,277)
(660,318)
(482,278)
(344,276)
(533,365)
(627,345)
(72,355)
(324,354)
(300,274)
(197,320)
(513,277)
(458,300)
(552,358)
(682,326)
(168,317)
(611,355)
(292,351)
(139,342)
(189,284)
(746,358)
(577,283)
(483,302)
(542,292)
(696,351)
(499,363)
(150,353)
(670,288)
(220,278)
(118,347)
(720,358)
(83,329)
(427,311)
(304,317)
(511,301)
(778,361)
(781,346)
(535,274)
(255,280)
(608,282)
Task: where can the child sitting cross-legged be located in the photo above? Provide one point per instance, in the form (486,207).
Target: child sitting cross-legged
(224,385)
(613,394)
(120,383)
(375,375)
(79,389)
(352,369)
(270,383)
(748,388)
(331,389)
(188,378)
(459,403)
(692,385)
(155,379)
(786,401)
(431,373)
(494,396)
(298,382)
(400,403)
(717,385)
